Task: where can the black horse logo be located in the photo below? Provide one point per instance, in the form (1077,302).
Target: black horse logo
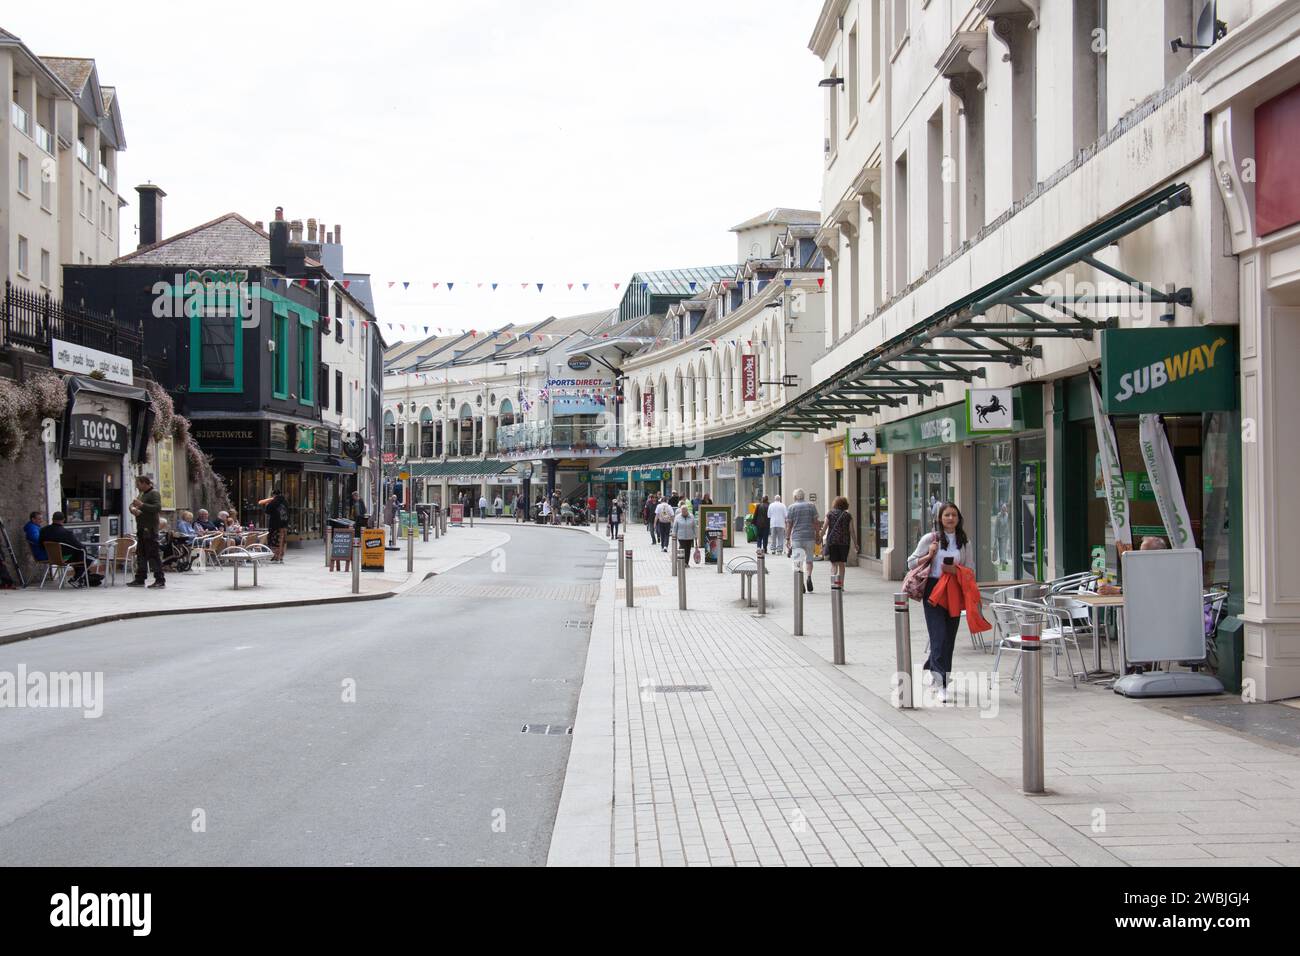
(994,405)
(860,440)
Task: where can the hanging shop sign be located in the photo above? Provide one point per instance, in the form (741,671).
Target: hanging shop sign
(837,456)
(988,411)
(776,467)
(860,442)
(726,469)
(648,409)
(1169,370)
(749,377)
(98,434)
(947,425)
(167,473)
(648,474)
(579,363)
(751,468)
(70,357)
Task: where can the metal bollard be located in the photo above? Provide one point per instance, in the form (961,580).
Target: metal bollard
(329,541)
(619,560)
(762,583)
(410,550)
(471,517)
(1031,713)
(627,577)
(837,623)
(356,565)
(798,602)
(721,545)
(903,648)
(676,552)
(681,584)
(425,525)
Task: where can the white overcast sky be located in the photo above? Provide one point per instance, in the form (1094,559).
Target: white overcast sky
(500,141)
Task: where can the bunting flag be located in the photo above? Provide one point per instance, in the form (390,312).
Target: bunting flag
(494,286)
(346,283)
(692,286)
(821,282)
(787,283)
(449,285)
(391,284)
(435,285)
(539,287)
(584,286)
(406,285)
(523,285)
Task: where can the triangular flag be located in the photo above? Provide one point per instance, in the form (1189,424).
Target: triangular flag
(570,286)
(449,285)
(346,283)
(391,284)
(644,286)
(821,281)
(724,283)
(480,285)
(787,283)
(584,286)
(426,330)
(436,284)
(406,285)
(494,286)
(692,286)
(616,286)
(539,287)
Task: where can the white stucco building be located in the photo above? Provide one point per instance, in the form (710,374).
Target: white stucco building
(1033,196)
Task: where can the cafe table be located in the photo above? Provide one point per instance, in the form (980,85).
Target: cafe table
(1097,605)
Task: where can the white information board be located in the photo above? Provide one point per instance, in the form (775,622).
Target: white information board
(1164,611)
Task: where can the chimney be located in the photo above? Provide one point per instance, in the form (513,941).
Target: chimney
(311,230)
(338,234)
(151,198)
(279,241)
(295,230)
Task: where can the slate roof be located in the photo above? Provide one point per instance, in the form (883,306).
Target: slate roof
(73,71)
(229,240)
(781,215)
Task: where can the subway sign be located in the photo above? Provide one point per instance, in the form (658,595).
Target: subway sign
(1169,370)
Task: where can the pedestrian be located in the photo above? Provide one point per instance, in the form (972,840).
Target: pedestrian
(947,548)
(1002,537)
(776,515)
(762,523)
(683,532)
(146,507)
(615,516)
(482,506)
(74,554)
(674,499)
(359,514)
(32,532)
(277,523)
(840,533)
(390,514)
(498,506)
(801,527)
(664,515)
(648,514)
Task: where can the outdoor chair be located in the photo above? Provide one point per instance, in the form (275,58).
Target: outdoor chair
(42,566)
(1058,627)
(61,569)
(1009,620)
(118,551)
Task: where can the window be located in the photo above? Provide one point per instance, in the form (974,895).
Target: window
(877,41)
(900,213)
(216,360)
(103,215)
(338,330)
(324,385)
(23,255)
(852,74)
(47,193)
(934,189)
(833,91)
(900,23)
(24,174)
(280,364)
(45,267)
(306,358)
(338,392)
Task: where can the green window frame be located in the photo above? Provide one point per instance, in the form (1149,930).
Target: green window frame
(280,366)
(214,327)
(306,357)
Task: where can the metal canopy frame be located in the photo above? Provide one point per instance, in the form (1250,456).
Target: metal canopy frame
(972,340)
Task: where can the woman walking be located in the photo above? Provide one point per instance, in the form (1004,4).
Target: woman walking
(615,516)
(946,548)
(840,532)
(762,524)
(683,532)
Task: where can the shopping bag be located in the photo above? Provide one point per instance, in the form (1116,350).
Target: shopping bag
(914,582)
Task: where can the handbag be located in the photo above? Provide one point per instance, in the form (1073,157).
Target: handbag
(697,557)
(914,582)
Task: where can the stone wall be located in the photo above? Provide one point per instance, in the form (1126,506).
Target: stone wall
(23,484)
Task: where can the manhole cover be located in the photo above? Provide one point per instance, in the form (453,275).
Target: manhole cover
(681,688)
(548,730)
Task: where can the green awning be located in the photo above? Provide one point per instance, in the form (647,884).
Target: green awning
(735,445)
(955,343)
(460,468)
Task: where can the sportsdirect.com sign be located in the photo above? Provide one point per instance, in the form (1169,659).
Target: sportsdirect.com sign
(1169,370)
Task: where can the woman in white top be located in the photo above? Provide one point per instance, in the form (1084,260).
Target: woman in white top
(683,532)
(948,548)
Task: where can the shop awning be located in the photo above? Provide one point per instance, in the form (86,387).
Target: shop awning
(460,468)
(735,445)
(958,341)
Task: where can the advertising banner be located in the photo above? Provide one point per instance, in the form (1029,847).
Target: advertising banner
(648,409)
(167,474)
(1168,490)
(1112,476)
(749,377)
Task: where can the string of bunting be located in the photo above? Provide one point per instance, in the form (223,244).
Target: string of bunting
(407,284)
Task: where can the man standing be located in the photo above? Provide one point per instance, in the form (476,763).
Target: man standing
(499,506)
(664,515)
(390,517)
(482,506)
(277,523)
(776,520)
(359,514)
(146,508)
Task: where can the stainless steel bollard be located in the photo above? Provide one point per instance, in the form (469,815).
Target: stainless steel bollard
(1031,713)
(762,583)
(425,528)
(619,560)
(798,602)
(903,648)
(627,576)
(837,623)
(676,553)
(410,550)
(681,584)
(329,541)
(471,517)
(720,549)
(356,565)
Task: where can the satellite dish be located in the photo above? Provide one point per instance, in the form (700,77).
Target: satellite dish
(1206,29)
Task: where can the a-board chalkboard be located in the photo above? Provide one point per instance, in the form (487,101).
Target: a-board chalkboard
(341,545)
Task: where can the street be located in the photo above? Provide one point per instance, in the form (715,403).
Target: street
(228,739)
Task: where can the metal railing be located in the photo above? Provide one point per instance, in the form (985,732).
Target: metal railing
(33,320)
(44,139)
(530,436)
(83,153)
(21,118)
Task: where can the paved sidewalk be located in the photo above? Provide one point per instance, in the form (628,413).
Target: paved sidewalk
(713,737)
(302,579)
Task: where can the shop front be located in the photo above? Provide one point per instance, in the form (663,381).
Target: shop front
(1001,498)
(752,475)
(104,432)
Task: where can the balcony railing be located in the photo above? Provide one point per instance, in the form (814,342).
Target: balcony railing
(105,176)
(32,321)
(44,139)
(83,153)
(21,118)
(539,436)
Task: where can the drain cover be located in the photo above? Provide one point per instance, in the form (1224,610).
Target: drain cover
(549,730)
(682,688)
(574,623)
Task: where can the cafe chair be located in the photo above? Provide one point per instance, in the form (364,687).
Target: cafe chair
(1010,619)
(118,552)
(1058,627)
(42,567)
(62,570)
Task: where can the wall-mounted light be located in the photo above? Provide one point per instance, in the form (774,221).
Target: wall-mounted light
(832,81)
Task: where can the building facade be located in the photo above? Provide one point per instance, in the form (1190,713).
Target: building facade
(1024,218)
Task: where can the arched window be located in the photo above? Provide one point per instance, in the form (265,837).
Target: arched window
(426,432)
(390,433)
(507,412)
(465,430)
